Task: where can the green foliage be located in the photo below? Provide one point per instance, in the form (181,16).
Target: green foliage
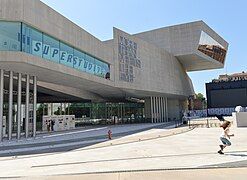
(200,97)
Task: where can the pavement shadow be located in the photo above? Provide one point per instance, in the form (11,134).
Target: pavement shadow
(61,147)
(238,155)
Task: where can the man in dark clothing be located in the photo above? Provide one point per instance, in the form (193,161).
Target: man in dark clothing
(52,125)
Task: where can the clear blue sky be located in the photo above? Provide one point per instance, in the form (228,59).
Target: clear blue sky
(227,17)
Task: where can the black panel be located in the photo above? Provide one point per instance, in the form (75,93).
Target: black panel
(226,94)
(228,98)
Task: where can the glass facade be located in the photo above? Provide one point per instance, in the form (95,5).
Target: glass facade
(212,48)
(16,36)
(108,113)
(10,35)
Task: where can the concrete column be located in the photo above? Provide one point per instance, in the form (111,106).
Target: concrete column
(19,107)
(122,106)
(43,109)
(155,115)
(52,109)
(161,109)
(151,109)
(160,113)
(10,104)
(1,103)
(166,110)
(158,109)
(34,105)
(61,108)
(27,106)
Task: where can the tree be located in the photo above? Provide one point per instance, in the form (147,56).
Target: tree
(200,97)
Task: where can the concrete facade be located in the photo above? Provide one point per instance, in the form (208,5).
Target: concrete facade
(159,67)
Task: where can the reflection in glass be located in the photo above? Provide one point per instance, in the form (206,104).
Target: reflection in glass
(212,48)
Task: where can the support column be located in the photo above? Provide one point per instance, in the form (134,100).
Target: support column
(155,115)
(34,105)
(49,109)
(160,114)
(19,107)
(52,109)
(152,114)
(27,106)
(161,110)
(10,104)
(166,111)
(1,103)
(61,108)
(157,109)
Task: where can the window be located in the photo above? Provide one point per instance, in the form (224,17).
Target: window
(50,48)
(212,48)
(78,60)
(98,68)
(16,36)
(10,36)
(31,41)
(89,64)
(66,55)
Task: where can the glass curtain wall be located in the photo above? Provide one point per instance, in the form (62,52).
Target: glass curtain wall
(212,48)
(108,113)
(10,36)
(16,36)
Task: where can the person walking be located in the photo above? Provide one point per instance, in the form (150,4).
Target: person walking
(225,136)
(52,125)
(109,134)
(48,125)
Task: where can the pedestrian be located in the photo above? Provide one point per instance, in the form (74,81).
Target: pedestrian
(109,134)
(225,136)
(48,125)
(52,125)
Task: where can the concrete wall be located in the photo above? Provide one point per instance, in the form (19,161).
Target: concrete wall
(180,39)
(160,71)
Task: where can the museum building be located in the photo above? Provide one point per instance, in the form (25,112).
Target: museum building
(46,58)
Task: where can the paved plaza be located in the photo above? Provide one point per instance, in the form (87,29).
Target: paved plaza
(155,153)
